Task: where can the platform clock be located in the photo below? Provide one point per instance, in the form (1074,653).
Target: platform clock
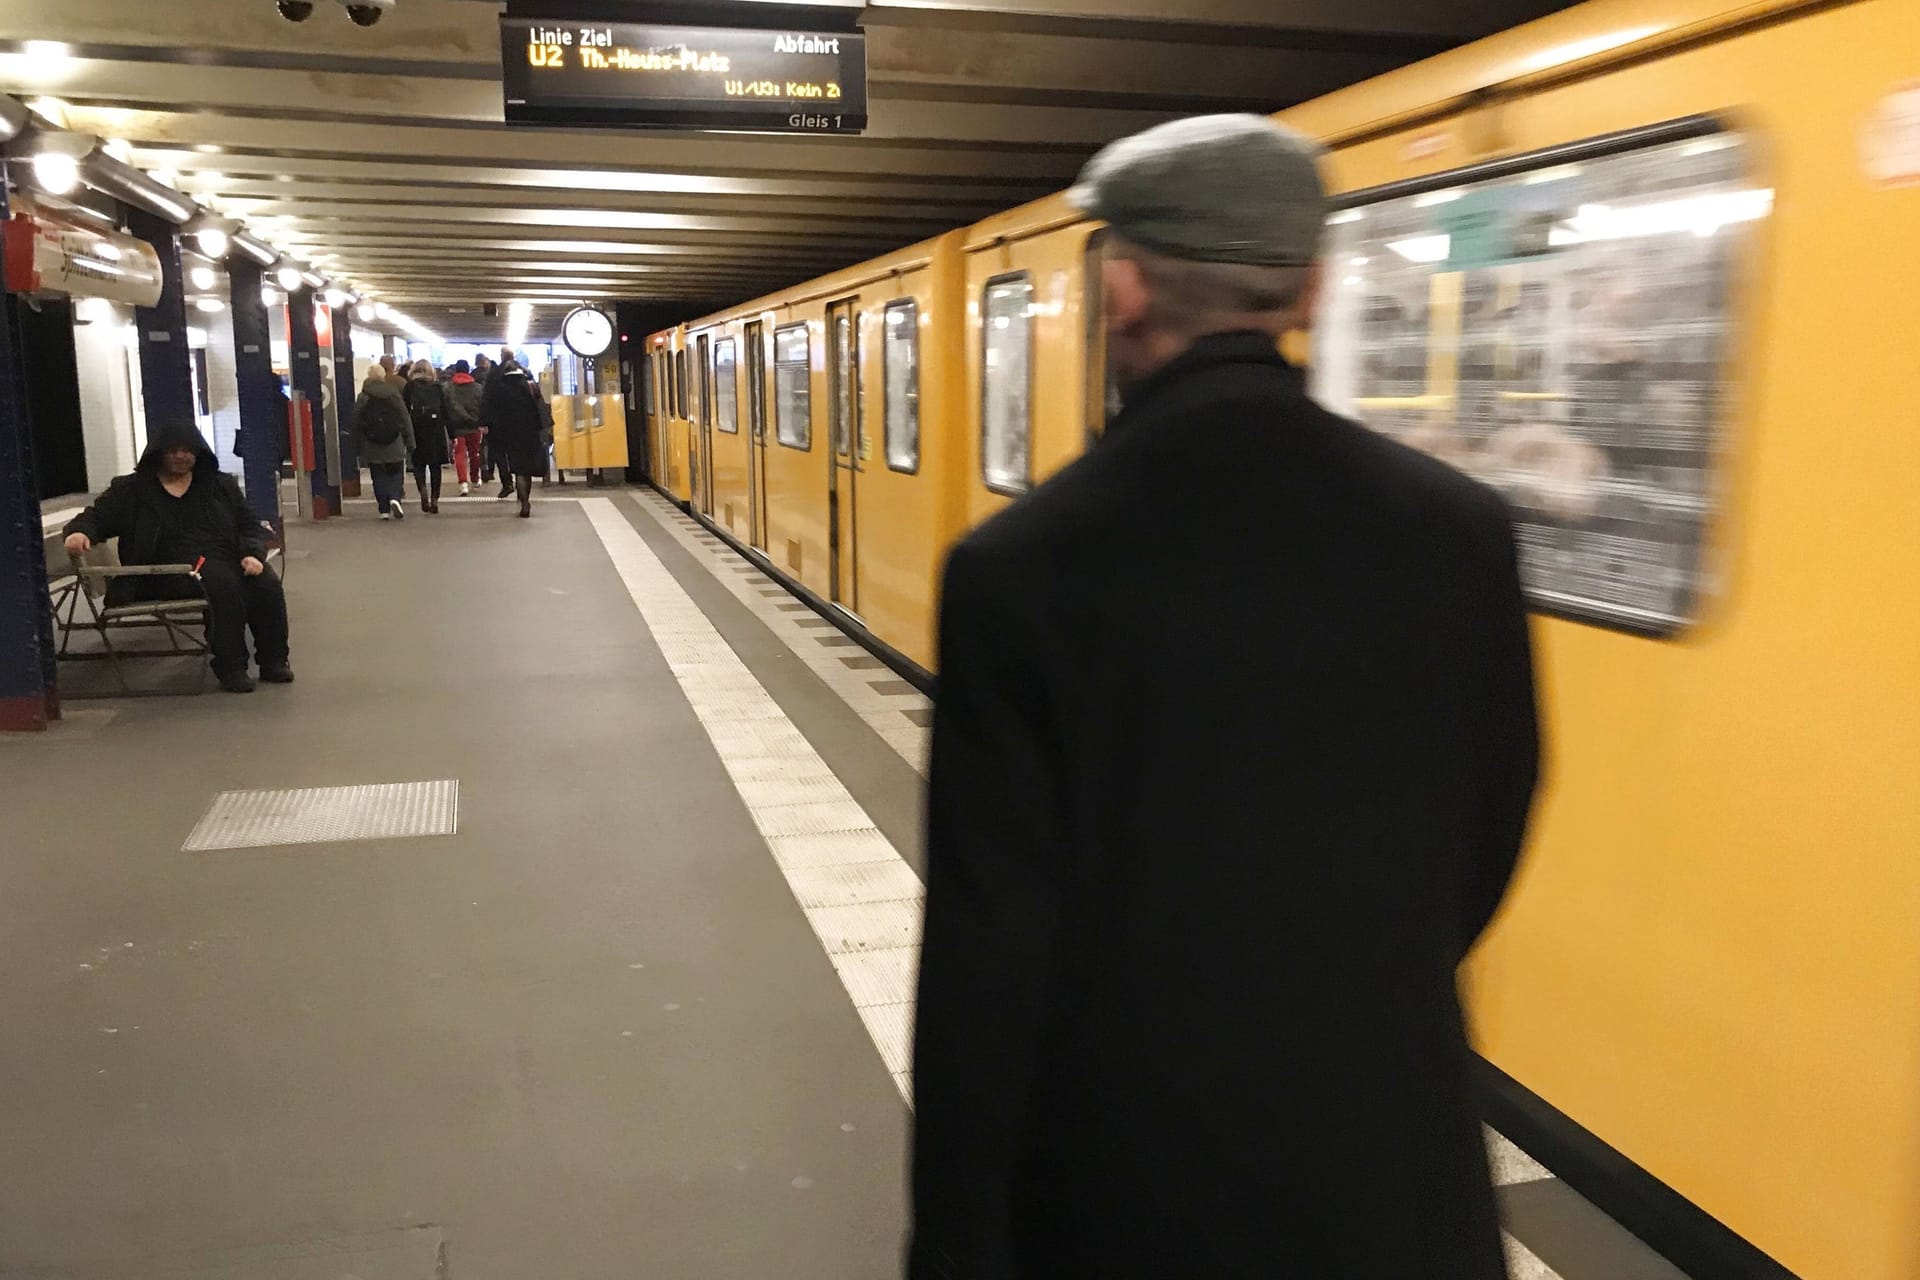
(587,331)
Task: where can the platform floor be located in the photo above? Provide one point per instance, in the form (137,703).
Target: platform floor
(642,1014)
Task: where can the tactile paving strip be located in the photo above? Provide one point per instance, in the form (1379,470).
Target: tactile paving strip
(321,815)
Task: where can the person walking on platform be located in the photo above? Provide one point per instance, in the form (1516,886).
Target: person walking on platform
(427,404)
(482,371)
(178,508)
(509,408)
(1202,860)
(386,440)
(463,412)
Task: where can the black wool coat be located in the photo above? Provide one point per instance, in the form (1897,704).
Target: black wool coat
(1233,751)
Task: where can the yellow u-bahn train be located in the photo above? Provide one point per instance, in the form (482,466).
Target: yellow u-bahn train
(1651,268)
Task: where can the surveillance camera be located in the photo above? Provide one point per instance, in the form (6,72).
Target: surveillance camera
(295,10)
(367,12)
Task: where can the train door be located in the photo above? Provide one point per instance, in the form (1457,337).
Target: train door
(703,377)
(843,459)
(757,434)
(684,388)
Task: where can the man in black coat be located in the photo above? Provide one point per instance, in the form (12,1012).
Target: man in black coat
(510,406)
(1232,759)
(177,507)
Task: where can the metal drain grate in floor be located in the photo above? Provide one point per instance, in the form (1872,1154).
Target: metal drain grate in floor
(316,815)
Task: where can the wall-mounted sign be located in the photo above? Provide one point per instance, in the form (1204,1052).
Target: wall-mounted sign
(47,255)
(640,76)
(587,331)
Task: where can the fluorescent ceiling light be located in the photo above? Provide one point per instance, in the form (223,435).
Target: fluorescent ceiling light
(210,304)
(56,172)
(1423,248)
(213,242)
(1702,215)
(204,277)
(289,278)
(519,317)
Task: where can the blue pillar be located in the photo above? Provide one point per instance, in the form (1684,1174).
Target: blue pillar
(166,366)
(346,390)
(303,354)
(29,694)
(263,419)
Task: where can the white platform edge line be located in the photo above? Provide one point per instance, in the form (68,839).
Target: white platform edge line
(688,640)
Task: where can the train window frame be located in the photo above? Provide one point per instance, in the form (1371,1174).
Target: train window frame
(805,444)
(1025,483)
(1616,303)
(909,307)
(726,398)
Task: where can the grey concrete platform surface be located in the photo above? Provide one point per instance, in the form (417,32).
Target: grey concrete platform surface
(589,1035)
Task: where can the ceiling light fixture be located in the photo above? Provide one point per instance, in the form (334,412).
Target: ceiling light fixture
(204,277)
(289,278)
(57,172)
(519,318)
(210,305)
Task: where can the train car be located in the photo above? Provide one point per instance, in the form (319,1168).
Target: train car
(1648,268)
(804,418)
(589,412)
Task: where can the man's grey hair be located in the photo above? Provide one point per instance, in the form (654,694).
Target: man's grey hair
(1193,299)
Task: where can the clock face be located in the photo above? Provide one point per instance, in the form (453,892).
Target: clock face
(588,332)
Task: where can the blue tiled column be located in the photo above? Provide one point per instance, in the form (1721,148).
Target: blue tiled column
(303,353)
(28,685)
(166,366)
(263,421)
(346,390)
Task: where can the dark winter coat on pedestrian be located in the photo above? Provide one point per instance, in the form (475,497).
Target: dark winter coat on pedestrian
(427,402)
(463,404)
(512,415)
(134,508)
(1232,757)
(380,399)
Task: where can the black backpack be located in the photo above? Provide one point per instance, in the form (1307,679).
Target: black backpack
(429,405)
(380,420)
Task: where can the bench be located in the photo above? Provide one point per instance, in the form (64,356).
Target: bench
(183,619)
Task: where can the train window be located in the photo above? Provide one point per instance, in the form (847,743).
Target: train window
(1560,330)
(792,389)
(900,377)
(726,387)
(680,383)
(701,370)
(1006,383)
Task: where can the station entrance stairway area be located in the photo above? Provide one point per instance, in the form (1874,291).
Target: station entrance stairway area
(560,921)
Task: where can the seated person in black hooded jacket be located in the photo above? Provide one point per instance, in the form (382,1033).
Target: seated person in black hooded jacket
(178,508)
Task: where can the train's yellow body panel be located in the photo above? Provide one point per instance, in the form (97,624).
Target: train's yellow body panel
(1712,957)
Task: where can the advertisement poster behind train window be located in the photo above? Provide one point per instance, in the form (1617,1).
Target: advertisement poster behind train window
(1564,336)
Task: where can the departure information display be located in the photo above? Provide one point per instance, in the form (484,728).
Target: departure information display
(640,76)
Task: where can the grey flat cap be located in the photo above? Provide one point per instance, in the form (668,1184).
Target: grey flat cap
(1235,188)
